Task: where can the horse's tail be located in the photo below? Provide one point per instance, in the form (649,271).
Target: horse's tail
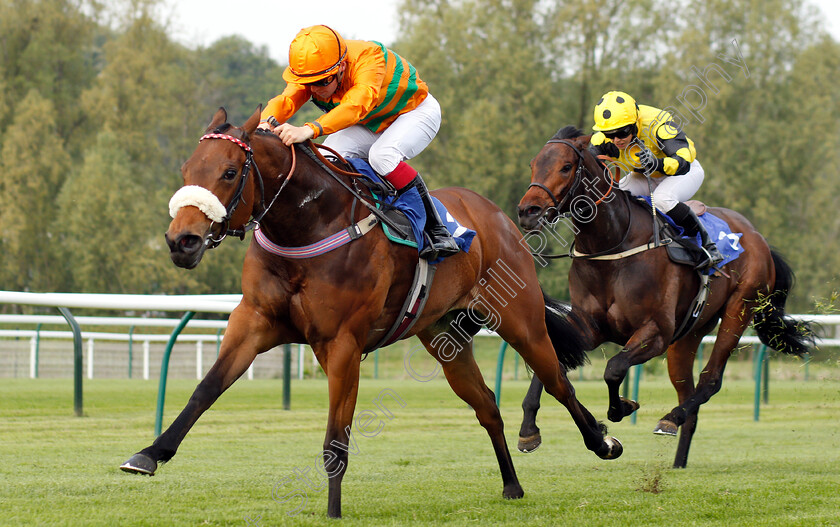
(564,329)
(775,328)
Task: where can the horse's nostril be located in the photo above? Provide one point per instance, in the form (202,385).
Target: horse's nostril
(529,212)
(189,243)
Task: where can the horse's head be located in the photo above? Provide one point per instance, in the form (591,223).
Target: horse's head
(556,172)
(217,193)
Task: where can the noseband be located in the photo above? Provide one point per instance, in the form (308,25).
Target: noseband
(558,204)
(237,196)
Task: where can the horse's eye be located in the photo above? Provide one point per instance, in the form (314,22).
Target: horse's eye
(229,174)
(566,167)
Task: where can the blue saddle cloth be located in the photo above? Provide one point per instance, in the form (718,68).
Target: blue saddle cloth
(411,204)
(728,242)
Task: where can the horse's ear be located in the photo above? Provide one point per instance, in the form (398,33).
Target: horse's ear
(219,118)
(583,141)
(252,122)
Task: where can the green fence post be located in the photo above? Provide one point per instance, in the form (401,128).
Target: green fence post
(807,362)
(758,371)
(516,367)
(499,363)
(638,370)
(766,378)
(77,360)
(287,376)
(37,348)
(164,370)
(130,350)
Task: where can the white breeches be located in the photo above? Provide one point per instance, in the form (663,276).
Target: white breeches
(667,190)
(406,137)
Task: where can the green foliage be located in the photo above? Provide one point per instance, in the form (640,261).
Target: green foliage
(98,95)
(109,240)
(34,164)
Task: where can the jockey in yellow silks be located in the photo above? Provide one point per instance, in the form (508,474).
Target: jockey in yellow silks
(655,155)
(376,107)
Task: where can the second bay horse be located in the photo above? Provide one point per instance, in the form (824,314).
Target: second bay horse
(639,301)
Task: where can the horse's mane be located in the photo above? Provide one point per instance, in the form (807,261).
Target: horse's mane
(568,132)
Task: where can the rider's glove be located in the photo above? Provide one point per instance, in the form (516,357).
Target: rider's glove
(650,163)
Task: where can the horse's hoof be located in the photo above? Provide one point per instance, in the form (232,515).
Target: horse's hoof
(513,492)
(626,407)
(529,444)
(140,464)
(614,448)
(665,428)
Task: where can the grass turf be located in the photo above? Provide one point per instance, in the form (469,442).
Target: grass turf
(431,464)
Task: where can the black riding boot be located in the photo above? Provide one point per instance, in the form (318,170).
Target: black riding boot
(685,218)
(442,243)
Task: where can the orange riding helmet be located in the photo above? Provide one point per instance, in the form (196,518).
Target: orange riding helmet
(314,54)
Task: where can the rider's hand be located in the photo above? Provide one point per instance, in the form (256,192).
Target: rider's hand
(291,134)
(650,163)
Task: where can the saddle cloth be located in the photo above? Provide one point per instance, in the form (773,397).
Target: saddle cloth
(410,204)
(728,242)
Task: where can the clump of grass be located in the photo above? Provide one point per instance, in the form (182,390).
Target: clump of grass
(652,479)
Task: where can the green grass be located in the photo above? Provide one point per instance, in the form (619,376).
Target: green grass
(431,464)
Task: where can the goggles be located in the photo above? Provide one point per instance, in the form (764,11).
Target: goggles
(624,131)
(326,81)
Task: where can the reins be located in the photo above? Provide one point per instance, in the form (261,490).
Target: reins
(237,197)
(608,254)
(329,167)
(558,204)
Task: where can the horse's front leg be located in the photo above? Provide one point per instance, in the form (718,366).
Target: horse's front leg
(647,342)
(529,432)
(248,334)
(341,358)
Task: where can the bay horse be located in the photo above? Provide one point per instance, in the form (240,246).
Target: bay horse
(342,301)
(640,300)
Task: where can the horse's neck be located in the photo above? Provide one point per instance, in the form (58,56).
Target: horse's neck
(612,219)
(310,205)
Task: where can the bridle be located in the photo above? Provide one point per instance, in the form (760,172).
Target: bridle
(212,242)
(559,204)
(319,159)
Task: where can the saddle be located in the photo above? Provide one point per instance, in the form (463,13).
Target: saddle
(681,250)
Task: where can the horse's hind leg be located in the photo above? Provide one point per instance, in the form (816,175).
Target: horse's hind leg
(681,357)
(733,323)
(246,336)
(466,381)
(529,432)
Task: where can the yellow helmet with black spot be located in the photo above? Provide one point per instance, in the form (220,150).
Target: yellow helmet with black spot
(615,110)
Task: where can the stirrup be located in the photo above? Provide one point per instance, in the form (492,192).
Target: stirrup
(712,258)
(438,246)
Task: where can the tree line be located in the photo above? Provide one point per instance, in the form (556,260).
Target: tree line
(99,107)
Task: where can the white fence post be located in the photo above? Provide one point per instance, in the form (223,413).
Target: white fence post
(199,352)
(146,360)
(33,343)
(251,372)
(90,359)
